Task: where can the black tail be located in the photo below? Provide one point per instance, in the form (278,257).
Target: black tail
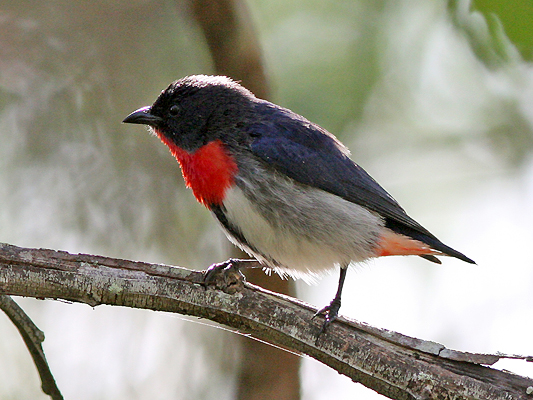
(438,245)
(445,250)
(431,258)
(427,238)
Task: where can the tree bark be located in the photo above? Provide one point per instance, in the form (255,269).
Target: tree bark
(395,365)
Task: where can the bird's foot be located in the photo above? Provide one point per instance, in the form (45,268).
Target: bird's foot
(225,276)
(331,312)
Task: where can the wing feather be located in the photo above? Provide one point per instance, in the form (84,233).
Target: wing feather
(312,156)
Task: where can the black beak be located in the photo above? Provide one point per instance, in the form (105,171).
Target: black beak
(142,116)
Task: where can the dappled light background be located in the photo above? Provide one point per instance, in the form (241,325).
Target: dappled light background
(432,98)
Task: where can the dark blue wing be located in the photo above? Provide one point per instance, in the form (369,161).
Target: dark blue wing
(312,156)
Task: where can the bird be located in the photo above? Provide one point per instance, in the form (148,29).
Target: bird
(284,189)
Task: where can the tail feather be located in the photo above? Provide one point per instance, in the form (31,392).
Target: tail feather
(431,258)
(438,245)
(427,239)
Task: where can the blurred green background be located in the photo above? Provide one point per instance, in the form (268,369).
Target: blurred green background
(434,99)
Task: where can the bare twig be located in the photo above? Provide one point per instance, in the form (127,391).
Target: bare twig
(390,363)
(33,337)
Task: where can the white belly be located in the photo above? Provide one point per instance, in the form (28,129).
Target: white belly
(306,232)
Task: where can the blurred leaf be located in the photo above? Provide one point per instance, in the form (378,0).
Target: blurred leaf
(514,19)
(487,30)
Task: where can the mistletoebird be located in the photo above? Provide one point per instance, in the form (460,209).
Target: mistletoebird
(283,188)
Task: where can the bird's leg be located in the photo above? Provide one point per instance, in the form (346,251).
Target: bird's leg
(227,275)
(331,311)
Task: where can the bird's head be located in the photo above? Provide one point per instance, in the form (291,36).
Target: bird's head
(196,110)
(201,119)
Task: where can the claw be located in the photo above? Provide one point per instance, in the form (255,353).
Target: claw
(331,312)
(225,276)
(211,272)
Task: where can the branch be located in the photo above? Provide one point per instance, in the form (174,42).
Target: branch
(33,337)
(390,363)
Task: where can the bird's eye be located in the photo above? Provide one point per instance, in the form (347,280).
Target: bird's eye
(174,110)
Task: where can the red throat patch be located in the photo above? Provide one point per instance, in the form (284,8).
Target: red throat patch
(209,171)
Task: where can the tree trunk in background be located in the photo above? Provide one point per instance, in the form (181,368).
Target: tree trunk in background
(266,372)
(228,29)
